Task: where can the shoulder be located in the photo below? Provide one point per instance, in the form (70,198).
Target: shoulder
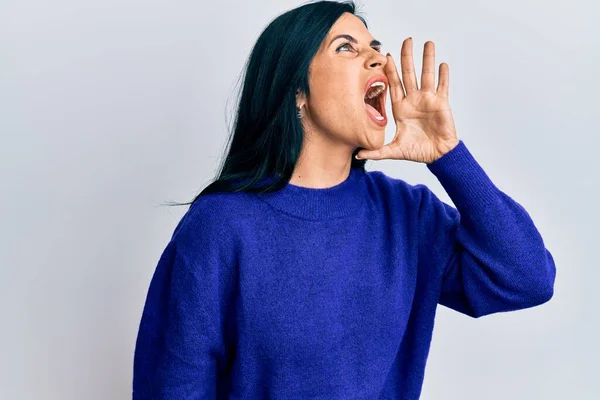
(418,197)
(211,220)
(219,207)
(396,189)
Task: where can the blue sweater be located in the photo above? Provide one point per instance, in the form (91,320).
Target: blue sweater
(331,293)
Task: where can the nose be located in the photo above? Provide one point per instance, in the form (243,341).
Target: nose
(376,60)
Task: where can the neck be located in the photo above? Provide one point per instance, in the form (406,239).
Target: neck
(345,198)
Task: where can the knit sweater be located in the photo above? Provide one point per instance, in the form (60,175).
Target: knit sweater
(331,293)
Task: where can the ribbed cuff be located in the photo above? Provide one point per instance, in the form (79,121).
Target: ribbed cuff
(467,184)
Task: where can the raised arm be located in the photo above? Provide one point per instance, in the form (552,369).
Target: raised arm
(492,255)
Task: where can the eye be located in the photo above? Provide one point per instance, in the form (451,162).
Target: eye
(342,46)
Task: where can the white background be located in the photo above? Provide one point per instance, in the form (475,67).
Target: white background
(109,109)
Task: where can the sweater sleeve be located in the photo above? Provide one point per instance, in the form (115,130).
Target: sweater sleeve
(493,259)
(181,347)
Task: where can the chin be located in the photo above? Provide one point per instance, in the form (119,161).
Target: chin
(375,139)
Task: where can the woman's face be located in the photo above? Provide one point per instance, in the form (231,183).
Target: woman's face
(339,77)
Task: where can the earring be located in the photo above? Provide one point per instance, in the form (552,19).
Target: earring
(299,112)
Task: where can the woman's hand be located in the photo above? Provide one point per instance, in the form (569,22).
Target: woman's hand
(425,128)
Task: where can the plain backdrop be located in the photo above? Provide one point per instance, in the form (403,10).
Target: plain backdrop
(110,109)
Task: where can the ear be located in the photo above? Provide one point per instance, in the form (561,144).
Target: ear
(300,99)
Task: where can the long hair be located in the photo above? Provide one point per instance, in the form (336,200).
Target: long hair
(267,135)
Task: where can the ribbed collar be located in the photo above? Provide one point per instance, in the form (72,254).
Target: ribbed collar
(342,200)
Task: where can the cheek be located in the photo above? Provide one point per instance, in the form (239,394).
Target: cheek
(336,101)
(339,114)
(335,109)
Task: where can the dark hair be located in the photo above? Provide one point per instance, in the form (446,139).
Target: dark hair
(267,136)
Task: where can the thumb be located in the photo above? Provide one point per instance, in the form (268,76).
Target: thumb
(368,154)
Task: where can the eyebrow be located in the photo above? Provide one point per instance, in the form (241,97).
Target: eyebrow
(352,40)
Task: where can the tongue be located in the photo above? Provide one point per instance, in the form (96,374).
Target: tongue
(371,110)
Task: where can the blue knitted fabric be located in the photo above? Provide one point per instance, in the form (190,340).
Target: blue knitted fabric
(331,293)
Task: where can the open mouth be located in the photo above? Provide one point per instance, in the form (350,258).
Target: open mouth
(375,102)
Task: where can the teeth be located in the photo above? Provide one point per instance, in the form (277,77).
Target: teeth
(378,88)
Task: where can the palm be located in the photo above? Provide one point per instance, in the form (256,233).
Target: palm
(424,124)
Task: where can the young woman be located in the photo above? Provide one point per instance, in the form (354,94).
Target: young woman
(297,274)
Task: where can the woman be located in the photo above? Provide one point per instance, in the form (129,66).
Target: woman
(299,275)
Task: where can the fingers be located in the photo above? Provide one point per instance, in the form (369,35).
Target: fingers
(400,88)
(395,84)
(409,76)
(444,80)
(428,70)
(382,153)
